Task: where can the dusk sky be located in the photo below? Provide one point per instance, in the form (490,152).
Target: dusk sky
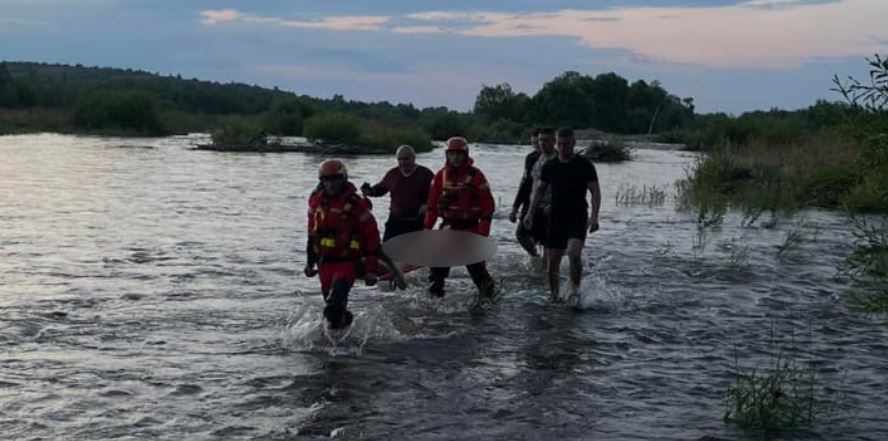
(729,55)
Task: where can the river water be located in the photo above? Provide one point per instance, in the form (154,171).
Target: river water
(148,291)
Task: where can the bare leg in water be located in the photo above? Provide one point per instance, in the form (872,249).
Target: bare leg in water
(553,262)
(574,255)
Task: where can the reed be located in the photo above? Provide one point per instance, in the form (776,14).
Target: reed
(650,196)
(785,395)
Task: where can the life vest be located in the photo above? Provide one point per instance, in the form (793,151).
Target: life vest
(336,227)
(459,196)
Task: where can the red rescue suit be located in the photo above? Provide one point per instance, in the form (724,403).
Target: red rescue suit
(342,233)
(461,197)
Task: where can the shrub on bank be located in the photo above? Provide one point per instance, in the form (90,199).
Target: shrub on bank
(239,132)
(818,172)
(14,121)
(118,111)
(387,139)
(333,128)
(609,150)
(501,131)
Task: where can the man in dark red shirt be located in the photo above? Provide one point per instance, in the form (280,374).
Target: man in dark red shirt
(408,184)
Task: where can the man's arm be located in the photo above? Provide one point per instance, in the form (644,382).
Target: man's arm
(311,255)
(538,189)
(373,190)
(595,189)
(431,215)
(488,206)
(380,189)
(370,236)
(523,196)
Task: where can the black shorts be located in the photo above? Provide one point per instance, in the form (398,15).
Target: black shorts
(563,227)
(538,231)
(540,227)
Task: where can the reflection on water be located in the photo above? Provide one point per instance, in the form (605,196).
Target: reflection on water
(152,292)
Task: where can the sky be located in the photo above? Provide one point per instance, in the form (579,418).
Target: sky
(728,55)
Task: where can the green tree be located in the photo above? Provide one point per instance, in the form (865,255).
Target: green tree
(444,124)
(564,101)
(501,102)
(285,117)
(118,110)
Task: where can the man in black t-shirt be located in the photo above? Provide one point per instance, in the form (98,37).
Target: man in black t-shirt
(569,177)
(522,199)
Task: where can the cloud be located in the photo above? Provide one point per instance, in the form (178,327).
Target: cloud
(737,36)
(214,17)
(341,23)
(774,4)
(755,34)
(334,23)
(419,30)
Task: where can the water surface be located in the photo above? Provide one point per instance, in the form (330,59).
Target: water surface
(148,291)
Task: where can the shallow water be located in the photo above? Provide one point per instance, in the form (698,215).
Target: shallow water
(152,292)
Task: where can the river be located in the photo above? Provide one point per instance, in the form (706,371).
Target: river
(148,291)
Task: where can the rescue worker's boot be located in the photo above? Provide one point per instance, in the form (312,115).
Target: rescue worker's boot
(436,281)
(483,280)
(338,317)
(335,312)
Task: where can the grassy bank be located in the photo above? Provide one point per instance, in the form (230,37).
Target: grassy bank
(843,167)
(816,172)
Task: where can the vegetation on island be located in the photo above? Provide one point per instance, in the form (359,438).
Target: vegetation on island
(38,97)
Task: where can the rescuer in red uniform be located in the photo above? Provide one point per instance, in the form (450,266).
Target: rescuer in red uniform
(461,197)
(343,240)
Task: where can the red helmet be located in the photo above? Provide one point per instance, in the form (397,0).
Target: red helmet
(332,167)
(457,144)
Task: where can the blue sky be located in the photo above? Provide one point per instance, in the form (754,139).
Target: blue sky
(729,55)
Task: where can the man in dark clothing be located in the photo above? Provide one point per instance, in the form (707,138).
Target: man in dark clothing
(522,199)
(569,176)
(546,141)
(408,184)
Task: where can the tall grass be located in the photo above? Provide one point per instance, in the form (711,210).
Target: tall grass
(651,196)
(761,176)
(868,264)
(14,121)
(785,395)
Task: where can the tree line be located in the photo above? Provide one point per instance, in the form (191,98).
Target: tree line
(40,96)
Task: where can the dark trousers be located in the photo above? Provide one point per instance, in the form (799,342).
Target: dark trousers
(477,271)
(396,226)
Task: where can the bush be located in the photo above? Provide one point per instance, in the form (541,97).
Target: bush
(611,150)
(333,128)
(501,131)
(383,139)
(239,132)
(443,126)
(828,187)
(285,118)
(126,111)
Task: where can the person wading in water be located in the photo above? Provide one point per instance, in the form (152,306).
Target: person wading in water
(343,240)
(570,176)
(461,197)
